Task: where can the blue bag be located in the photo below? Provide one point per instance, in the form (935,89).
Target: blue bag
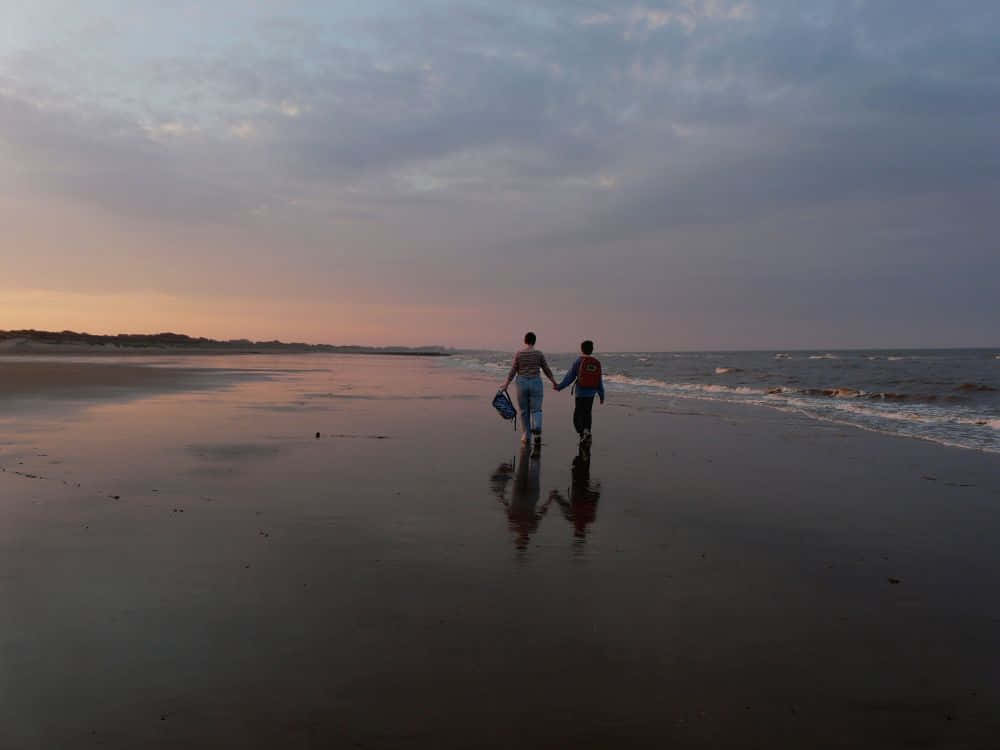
(505,407)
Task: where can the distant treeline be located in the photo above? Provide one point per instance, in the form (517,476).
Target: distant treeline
(182,341)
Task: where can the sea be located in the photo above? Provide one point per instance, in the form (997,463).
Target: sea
(948,396)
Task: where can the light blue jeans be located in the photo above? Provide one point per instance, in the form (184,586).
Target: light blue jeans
(529,402)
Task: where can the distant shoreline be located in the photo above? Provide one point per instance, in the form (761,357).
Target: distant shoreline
(32,342)
(100,351)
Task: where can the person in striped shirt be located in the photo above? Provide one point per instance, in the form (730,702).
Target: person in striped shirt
(527,367)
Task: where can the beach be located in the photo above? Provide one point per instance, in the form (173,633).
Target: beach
(187,564)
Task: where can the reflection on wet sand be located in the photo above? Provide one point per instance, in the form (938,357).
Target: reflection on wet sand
(581,507)
(524,475)
(517,486)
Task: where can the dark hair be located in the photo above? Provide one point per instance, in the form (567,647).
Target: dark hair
(587,347)
(529,338)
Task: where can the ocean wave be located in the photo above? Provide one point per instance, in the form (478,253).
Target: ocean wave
(727,370)
(865,410)
(854,393)
(875,412)
(678,389)
(740,389)
(833,392)
(961,417)
(939,439)
(974,387)
(479,364)
(991,424)
(638,382)
(823,356)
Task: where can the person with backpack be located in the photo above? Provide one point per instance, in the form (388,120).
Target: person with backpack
(589,382)
(528,365)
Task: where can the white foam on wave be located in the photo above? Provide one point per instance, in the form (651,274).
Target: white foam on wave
(727,370)
(738,389)
(677,389)
(477,364)
(823,356)
(710,392)
(938,440)
(864,410)
(640,382)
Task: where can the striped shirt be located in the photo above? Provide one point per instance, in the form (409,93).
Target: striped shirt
(527,363)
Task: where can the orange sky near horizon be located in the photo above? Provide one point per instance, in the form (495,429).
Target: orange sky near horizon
(259,319)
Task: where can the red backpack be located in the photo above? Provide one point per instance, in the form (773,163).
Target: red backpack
(589,375)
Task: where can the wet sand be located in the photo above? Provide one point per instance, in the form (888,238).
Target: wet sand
(196,568)
(55,376)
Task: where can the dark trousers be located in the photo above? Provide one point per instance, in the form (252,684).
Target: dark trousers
(583,412)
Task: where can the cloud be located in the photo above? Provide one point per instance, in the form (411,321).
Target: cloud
(448,136)
(688,14)
(171,129)
(596,19)
(116,162)
(243,130)
(426,88)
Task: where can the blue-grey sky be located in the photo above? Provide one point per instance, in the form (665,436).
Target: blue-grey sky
(663,175)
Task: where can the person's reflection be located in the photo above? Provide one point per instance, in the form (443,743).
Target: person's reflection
(523,512)
(581,507)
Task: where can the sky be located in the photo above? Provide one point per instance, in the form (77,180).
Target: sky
(689,174)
